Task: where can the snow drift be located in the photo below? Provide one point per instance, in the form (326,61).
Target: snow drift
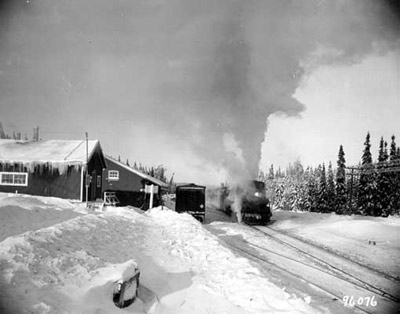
(72,266)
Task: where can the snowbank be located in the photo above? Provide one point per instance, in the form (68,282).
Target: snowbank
(218,271)
(20,213)
(72,267)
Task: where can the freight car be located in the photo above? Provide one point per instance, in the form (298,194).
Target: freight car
(254,205)
(191,198)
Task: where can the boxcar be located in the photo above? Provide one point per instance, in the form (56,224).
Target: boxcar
(191,198)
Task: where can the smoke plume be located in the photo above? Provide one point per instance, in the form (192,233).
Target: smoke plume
(245,61)
(207,73)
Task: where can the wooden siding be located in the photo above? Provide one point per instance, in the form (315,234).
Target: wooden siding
(46,182)
(128,181)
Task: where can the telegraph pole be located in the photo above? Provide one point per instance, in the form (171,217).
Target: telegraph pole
(87,170)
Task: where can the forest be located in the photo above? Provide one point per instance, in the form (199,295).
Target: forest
(370,188)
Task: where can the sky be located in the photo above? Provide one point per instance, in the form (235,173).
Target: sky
(212,90)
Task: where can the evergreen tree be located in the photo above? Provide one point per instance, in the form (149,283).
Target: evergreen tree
(271,174)
(393,153)
(261,176)
(127,163)
(330,189)
(279,173)
(322,192)
(2,134)
(312,188)
(383,181)
(353,188)
(341,183)
(367,184)
(394,177)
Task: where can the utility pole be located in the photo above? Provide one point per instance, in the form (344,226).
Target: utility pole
(87,170)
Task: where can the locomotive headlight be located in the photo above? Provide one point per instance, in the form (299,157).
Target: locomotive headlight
(258,194)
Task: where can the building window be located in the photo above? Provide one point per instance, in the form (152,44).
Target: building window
(99,181)
(113,175)
(14,178)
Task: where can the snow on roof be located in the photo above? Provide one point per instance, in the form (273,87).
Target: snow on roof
(140,174)
(46,151)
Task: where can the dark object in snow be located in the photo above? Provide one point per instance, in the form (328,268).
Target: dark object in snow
(125,292)
(371,242)
(191,198)
(254,205)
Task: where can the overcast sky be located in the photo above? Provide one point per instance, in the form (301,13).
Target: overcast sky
(211,89)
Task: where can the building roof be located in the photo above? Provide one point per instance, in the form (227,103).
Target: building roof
(47,151)
(140,174)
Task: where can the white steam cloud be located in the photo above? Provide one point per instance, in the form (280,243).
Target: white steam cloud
(206,73)
(242,61)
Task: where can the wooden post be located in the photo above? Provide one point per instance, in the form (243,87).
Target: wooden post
(87,170)
(151,196)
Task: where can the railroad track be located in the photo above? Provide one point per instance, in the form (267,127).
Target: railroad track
(388,302)
(293,236)
(346,274)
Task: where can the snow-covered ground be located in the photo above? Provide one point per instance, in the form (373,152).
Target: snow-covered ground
(57,258)
(358,257)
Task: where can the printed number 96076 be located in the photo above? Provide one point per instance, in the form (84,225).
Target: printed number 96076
(351,301)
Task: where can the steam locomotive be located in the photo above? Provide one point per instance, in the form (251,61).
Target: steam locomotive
(252,201)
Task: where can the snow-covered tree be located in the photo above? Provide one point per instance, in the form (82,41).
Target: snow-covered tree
(367,184)
(341,199)
(2,134)
(394,177)
(383,181)
(261,176)
(322,200)
(312,191)
(330,189)
(271,174)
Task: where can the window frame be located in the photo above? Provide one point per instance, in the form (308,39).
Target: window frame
(113,175)
(98,182)
(13,175)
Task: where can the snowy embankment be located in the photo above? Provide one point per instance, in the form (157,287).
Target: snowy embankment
(71,266)
(371,241)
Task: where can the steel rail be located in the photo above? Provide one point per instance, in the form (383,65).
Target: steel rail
(378,272)
(296,275)
(366,285)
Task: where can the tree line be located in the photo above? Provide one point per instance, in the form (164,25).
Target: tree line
(157,172)
(14,136)
(369,188)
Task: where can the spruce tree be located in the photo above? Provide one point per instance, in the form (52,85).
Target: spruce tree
(2,134)
(367,184)
(322,192)
(330,189)
(394,177)
(261,176)
(341,183)
(383,181)
(393,153)
(312,188)
(271,174)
